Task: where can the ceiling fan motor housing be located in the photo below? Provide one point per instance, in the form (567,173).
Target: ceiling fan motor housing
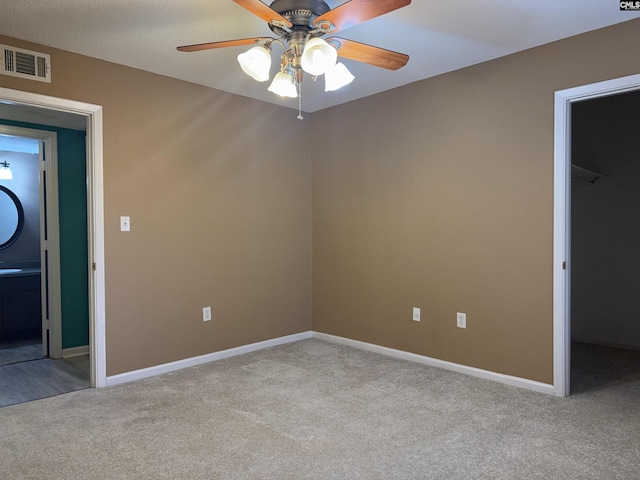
(301,13)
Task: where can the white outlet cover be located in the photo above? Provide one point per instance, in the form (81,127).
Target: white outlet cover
(416,314)
(206,314)
(461,320)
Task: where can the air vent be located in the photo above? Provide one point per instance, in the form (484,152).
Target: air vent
(18,62)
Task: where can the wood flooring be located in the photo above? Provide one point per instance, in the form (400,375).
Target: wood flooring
(25,375)
(20,352)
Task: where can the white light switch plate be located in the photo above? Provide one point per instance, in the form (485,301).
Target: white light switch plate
(461,319)
(125,224)
(416,314)
(206,314)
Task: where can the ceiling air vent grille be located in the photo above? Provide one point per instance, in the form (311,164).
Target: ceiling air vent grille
(22,63)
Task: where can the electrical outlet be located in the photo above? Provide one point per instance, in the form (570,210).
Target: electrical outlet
(416,314)
(206,314)
(461,320)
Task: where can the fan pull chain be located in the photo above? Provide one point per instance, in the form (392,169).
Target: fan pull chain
(300,117)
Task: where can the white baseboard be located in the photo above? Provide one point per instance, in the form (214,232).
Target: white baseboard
(210,357)
(75,351)
(434,362)
(412,357)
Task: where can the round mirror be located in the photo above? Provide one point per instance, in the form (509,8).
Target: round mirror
(11,217)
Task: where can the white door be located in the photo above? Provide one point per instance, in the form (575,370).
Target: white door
(50,248)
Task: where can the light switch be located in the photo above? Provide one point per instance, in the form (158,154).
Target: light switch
(416,314)
(125,224)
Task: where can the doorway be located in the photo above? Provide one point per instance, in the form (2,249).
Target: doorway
(30,263)
(605,194)
(562,266)
(35,360)
(57,109)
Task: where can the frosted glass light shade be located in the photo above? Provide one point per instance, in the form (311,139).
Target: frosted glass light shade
(5,171)
(337,77)
(256,63)
(283,86)
(318,56)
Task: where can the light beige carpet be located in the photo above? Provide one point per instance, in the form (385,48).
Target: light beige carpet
(315,410)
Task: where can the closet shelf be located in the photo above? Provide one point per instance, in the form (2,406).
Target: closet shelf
(584,175)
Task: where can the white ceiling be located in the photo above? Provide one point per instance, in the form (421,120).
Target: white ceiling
(42,116)
(438,35)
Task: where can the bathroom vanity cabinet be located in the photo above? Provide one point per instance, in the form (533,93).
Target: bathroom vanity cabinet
(20,306)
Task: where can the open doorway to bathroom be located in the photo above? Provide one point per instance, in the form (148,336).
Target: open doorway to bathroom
(21,321)
(44,317)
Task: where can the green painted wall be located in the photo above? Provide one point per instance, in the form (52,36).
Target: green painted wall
(74,254)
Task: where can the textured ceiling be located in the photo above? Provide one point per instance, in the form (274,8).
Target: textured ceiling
(439,36)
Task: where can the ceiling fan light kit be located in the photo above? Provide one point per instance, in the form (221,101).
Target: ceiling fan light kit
(337,77)
(318,56)
(256,63)
(283,85)
(300,24)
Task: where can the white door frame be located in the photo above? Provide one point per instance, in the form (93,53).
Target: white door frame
(562,219)
(95,206)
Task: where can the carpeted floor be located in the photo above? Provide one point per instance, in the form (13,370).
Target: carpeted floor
(316,410)
(595,367)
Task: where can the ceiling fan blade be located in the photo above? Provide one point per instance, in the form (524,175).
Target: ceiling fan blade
(263,11)
(354,12)
(361,52)
(227,43)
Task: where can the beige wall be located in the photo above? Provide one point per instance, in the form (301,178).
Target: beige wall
(440,195)
(219,216)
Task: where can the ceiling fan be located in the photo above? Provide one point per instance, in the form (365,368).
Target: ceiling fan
(299,26)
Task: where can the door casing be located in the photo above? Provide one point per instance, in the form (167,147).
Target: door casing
(95,207)
(562,218)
